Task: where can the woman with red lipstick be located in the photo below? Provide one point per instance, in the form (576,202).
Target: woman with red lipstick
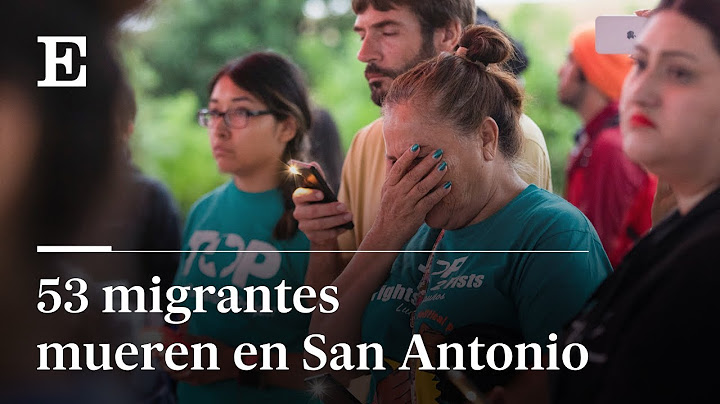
(257,116)
(650,327)
(640,120)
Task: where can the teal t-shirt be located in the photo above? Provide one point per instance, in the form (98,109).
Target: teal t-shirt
(228,219)
(534,294)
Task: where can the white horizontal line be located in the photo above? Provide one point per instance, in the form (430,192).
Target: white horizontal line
(110,250)
(73,248)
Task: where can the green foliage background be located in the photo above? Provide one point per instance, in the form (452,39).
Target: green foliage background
(173,49)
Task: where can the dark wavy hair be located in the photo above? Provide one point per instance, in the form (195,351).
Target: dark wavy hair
(279,84)
(704,12)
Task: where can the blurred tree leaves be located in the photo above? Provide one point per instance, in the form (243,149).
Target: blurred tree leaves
(191,39)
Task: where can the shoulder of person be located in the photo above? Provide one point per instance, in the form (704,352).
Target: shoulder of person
(694,249)
(153,189)
(369,134)
(609,138)
(211,197)
(552,214)
(531,130)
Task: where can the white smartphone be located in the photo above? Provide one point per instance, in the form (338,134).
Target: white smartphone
(617,34)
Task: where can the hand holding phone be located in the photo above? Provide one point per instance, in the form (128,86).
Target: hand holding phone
(308,176)
(617,34)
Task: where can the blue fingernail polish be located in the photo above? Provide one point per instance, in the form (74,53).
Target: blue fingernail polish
(437,154)
(415,148)
(442,166)
(447,185)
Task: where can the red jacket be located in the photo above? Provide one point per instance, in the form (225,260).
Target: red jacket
(614,193)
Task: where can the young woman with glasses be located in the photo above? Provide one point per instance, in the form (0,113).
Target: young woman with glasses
(257,117)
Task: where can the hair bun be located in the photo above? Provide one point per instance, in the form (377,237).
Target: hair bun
(486,45)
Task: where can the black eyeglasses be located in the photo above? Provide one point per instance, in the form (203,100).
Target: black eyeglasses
(237,118)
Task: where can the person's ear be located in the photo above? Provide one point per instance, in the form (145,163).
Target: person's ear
(287,129)
(489,134)
(446,38)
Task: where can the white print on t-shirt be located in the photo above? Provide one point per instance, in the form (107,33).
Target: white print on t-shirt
(448,282)
(463,281)
(247,261)
(396,292)
(449,268)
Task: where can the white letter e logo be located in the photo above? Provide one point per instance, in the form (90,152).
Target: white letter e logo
(52,60)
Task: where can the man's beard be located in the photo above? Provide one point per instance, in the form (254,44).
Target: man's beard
(377,92)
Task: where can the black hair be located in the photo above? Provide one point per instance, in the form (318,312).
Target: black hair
(704,12)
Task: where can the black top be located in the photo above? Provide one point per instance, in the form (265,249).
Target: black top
(154,225)
(651,329)
(140,216)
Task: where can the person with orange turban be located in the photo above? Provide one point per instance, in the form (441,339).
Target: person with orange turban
(614,193)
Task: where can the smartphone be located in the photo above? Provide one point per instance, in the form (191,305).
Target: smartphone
(329,390)
(617,34)
(307,176)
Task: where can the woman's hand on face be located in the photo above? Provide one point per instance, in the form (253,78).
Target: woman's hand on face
(410,192)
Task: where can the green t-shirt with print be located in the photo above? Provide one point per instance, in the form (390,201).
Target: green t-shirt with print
(534,293)
(228,219)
